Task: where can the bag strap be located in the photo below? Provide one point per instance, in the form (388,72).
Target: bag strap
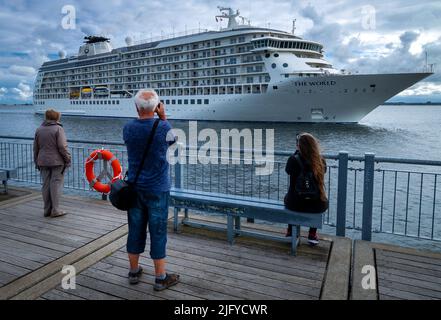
(300,162)
(146,150)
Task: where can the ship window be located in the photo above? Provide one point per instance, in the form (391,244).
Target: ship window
(276,55)
(192,101)
(199,101)
(173,101)
(346,90)
(117,101)
(185,101)
(167,101)
(285,65)
(286,75)
(179,101)
(206,101)
(267,55)
(355,90)
(113,102)
(275,87)
(273,66)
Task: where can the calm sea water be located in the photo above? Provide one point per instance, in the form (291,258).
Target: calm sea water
(396,131)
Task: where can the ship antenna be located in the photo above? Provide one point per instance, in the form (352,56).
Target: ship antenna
(293,26)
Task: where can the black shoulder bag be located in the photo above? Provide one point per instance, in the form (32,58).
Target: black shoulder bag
(122,193)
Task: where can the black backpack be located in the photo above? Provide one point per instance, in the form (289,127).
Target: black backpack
(306,185)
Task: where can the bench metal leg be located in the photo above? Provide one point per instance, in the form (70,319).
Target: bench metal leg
(294,240)
(186,213)
(175,219)
(230,227)
(237,224)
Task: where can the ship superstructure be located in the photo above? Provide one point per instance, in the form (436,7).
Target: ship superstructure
(239,73)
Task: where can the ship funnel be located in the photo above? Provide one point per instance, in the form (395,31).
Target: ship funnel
(129,41)
(62,54)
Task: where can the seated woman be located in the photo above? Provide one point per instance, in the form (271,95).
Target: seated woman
(306,162)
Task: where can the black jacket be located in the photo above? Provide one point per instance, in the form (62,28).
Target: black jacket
(292,201)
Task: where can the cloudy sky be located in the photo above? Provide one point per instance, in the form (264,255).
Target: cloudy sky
(364,36)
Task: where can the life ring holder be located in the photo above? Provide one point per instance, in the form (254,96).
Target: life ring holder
(95,182)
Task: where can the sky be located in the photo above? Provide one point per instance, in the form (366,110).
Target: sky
(360,36)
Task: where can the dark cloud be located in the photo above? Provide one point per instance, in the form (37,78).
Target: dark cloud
(33,29)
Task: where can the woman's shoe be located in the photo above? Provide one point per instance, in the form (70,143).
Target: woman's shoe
(313,239)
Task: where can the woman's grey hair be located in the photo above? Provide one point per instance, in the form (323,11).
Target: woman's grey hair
(146,99)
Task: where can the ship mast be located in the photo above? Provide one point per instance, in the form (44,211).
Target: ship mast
(228,13)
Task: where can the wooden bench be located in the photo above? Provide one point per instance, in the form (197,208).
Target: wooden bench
(5,175)
(237,207)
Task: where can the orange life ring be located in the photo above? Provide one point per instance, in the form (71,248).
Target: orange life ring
(95,182)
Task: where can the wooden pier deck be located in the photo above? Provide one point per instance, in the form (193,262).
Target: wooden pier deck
(34,249)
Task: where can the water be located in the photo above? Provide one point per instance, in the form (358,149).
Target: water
(395,131)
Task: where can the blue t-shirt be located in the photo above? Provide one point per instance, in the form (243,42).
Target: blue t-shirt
(154,176)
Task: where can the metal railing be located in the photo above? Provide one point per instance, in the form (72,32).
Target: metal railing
(366,193)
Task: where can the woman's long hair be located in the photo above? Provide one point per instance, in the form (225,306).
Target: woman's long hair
(309,148)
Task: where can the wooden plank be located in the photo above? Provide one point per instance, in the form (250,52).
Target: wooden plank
(118,275)
(402,295)
(295,285)
(411,275)
(245,252)
(230,282)
(86,280)
(35,241)
(413,269)
(248,266)
(86,293)
(320,250)
(238,271)
(87,214)
(417,283)
(363,256)
(422,265)
(43,224)
(15,201)
(48,230)
(93,249)
(264,264)
(6,277)
(41,236)
(382,282)
(13,245)
(337,278)
(7,256)
(13,269)
(67,220)
(411,257)
(56,294)
(25,254)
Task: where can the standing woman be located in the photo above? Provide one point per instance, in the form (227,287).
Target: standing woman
(307,160)
(51,157)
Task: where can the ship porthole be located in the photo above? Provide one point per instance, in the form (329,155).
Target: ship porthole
(276,55)
(267,55)
(285,65)
(273,66)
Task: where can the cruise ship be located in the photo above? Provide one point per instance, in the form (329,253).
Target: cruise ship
(239,73)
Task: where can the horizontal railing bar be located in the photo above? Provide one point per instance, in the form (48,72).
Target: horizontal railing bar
(276,153)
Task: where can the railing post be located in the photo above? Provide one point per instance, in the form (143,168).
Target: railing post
(342,192)
(178,169)
(368,196)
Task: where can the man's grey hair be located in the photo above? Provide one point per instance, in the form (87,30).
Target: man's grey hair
(146,99)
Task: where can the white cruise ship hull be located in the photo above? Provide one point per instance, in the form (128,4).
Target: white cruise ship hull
(331,98)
